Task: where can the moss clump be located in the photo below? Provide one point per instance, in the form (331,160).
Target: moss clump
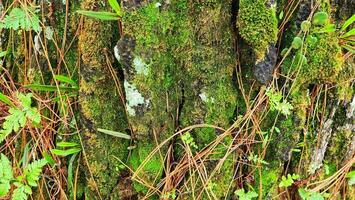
(159,33)
(268,179)
(100,107)
(257,25)
(319,61)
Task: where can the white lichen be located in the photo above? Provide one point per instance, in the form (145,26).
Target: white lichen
(48,32)
(133,97)
(157,5)
(117,53)
(205,98)
(140,66)
(37,46)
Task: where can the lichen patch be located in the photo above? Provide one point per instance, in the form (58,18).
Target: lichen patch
(133,97)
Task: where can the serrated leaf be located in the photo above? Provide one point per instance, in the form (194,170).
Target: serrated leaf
(6,173)
(19,193)
(4,189)
(26,100)
(100,15)
(33,170)
(115,6)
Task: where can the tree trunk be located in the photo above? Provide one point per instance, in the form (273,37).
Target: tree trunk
(215,95)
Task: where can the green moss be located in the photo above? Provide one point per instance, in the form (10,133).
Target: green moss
(345,90)
(160,34)
(100,107)
(257,24)
(323,60)
(268,179)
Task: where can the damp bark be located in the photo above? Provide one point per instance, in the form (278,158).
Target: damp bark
(100,107)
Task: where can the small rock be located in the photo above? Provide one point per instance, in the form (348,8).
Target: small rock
(264,69)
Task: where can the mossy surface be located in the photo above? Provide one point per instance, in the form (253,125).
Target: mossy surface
(100,107)
(257,25)
(156,33)
(268,179)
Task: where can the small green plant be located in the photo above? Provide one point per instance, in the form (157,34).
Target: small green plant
(320,18)
(23,183)
(306,25)
(351,177)
(170,195)
(189,140)
(20,115)
(21,19)
(310,195)
(242,195)
(256,160)
(289,180)
(66,149)
(276,102)
(296,43)
(104,15)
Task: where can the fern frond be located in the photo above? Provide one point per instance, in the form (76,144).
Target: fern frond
(33,171)
(6,175)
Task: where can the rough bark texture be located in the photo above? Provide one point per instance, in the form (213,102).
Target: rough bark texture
(100,107)
(188,62)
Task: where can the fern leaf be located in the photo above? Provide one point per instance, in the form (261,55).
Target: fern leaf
(33,171)
(6,175)
(19,193)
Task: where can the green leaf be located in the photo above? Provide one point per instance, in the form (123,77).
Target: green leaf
(70,171)
(115,6)
(281,15)
(60,152)
(33,170)
(351,176)
(4,188)
(305,25)
(296,43)
(114,133)
(349,48)
(349,33)
(6,175)
(245,196)
(65,79)
(100,15)
(320,18)
(19,18)
(67,144)
(6,100)
(3,54)
(49,159)
(25,100)
(348,22)
(49,88)
(19,193)
(303,194)
(329,28)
